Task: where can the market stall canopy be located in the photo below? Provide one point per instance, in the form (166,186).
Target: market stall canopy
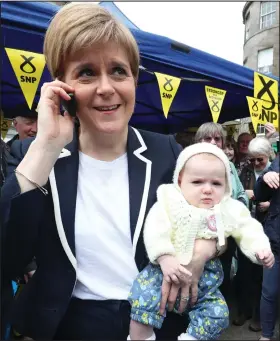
(23,28)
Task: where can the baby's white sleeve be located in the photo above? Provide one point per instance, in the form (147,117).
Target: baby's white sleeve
(157,234)
(248,232)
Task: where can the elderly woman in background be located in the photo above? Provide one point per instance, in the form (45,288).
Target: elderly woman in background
(213,133)
(249,275)
(267,188)
(76,196)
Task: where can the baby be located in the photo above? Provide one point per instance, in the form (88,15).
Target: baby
(198,205)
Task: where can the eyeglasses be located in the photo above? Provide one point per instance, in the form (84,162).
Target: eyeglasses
(259,159)
(210,138)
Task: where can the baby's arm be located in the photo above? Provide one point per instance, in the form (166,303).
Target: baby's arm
(250,236)
(157,234)
(157,238)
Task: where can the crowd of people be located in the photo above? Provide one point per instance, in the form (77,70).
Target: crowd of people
(117,230)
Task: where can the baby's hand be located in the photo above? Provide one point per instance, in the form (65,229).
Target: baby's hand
(172,270)
(266,257)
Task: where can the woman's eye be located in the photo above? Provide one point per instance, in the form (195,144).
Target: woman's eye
(86,73)
(119,71)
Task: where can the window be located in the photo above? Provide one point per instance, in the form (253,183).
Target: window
(268,14)
(265,60)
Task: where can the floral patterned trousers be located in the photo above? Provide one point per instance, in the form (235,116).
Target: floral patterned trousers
(208,317)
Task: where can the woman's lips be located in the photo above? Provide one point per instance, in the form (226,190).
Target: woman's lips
(108,109)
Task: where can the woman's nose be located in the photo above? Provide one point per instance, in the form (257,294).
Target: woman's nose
(105,86)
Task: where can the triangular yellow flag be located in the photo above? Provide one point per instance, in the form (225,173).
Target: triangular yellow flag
(5,126)
(266,89)
(168,86)
(28,68)
(215,98)
(255,108)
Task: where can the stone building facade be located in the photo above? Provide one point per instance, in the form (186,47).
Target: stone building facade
(261,36)
(261,41)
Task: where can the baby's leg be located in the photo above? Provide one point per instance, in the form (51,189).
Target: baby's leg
(145,297)
(140,331)
(210,316)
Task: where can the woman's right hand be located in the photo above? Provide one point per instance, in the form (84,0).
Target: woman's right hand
(54,130)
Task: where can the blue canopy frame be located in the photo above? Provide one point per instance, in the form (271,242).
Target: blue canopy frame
(24,25)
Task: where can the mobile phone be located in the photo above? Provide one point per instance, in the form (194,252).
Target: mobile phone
(70,106)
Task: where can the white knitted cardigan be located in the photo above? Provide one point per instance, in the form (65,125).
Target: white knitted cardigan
(184,223)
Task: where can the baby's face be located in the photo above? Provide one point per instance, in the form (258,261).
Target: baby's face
(203,180)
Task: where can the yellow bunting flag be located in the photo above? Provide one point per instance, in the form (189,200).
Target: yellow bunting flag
(168,86)
(266,89)
(28,68)
(5,125)
(255,108)
(215,98)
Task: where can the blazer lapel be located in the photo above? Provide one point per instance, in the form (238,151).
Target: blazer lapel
(139,173)
(64,181)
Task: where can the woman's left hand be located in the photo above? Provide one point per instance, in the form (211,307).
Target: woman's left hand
(204,250)
(263,206)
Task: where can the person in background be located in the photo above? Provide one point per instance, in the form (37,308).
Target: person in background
(25,122)
(6,283)
(230,149)
(3,162)
(77,196)
(213,133)
(249,276)
(243,141)
(267,189)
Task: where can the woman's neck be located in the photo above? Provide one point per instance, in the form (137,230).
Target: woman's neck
(103,146)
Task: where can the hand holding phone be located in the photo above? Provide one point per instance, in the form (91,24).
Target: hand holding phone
(70,106)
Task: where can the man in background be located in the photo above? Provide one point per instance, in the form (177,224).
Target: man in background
(25,123)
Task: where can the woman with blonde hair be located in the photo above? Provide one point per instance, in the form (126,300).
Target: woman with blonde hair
(77,196)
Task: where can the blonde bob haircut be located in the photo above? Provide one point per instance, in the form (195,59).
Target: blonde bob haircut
(79,26)
(210,129)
